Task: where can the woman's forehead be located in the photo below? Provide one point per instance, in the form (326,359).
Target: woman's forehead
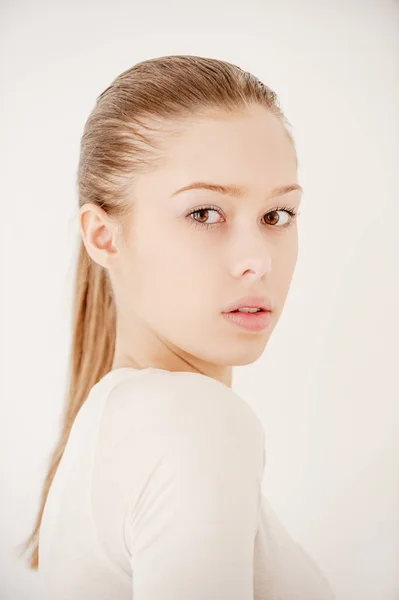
(234,156)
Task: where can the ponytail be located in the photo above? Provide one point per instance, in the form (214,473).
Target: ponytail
(92,352)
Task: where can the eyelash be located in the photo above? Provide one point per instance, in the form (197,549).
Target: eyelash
(289,209)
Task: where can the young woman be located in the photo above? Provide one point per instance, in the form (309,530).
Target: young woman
(188,198)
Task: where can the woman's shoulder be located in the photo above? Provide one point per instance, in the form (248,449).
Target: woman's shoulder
(184,397)
(179,460)
(158,423)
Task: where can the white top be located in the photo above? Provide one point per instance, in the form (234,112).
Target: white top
(158,497)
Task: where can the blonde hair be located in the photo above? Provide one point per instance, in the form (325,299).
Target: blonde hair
(122,138)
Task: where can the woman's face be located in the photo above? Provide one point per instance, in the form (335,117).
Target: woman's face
(175,276)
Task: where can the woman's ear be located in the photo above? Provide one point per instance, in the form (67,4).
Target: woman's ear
(98,234)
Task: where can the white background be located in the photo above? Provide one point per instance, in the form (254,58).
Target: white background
(326,388)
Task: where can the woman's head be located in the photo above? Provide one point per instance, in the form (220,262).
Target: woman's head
(171,277)
(152,281)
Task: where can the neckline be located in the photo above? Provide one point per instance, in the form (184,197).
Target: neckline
(120,369)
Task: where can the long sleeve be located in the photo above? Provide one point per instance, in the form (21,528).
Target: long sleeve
(193,455)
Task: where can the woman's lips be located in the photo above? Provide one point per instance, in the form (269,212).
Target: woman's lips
(249,321)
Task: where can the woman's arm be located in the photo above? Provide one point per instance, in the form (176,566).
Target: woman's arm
(192,520)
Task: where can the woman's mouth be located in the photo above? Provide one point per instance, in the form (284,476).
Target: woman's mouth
(250,321)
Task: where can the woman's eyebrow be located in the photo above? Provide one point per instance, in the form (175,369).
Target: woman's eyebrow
(236,190)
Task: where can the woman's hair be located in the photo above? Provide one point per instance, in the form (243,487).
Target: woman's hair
(125,135)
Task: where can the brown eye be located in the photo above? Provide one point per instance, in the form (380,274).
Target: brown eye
(277,220)
(204,212)
(274,220)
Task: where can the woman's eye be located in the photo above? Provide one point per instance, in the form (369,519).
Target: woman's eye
(200,217)
(277,219)
(203,216)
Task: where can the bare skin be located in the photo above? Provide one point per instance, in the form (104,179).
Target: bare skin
(171,279)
